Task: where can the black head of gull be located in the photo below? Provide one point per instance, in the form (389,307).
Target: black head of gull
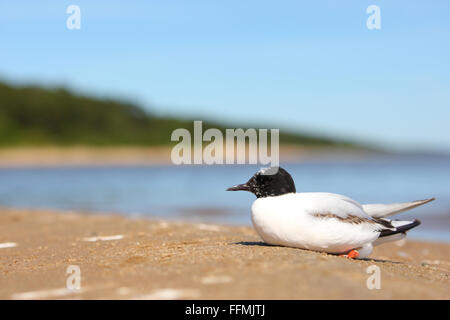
(268,182)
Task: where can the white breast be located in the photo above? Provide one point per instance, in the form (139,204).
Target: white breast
(289,220)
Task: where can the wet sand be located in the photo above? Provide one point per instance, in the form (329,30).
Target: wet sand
(122,258)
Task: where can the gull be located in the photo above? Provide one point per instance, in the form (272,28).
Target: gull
(320,221)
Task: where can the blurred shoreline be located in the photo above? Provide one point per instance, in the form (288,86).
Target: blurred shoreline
(141,182)
(84,156)
(123,258)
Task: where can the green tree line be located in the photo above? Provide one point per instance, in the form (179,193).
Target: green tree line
(32,115)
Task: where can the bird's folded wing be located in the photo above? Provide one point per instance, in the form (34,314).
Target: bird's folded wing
(343,210)
(386,210)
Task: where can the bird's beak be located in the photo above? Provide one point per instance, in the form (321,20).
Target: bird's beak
(243,187)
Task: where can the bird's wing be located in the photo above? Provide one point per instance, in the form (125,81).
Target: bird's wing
(343,209)
(386,210)
(340,215)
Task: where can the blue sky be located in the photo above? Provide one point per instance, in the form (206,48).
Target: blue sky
(310,66)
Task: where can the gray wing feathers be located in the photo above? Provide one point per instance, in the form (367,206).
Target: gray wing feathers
(386,210)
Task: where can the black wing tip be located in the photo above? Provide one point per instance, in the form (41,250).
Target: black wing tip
(426,200)
(402,229)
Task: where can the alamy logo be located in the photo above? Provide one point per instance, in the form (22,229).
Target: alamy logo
(73,281)
(374,281)
(374,20)
(235,146)
(74,20)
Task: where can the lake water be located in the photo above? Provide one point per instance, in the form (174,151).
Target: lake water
(197,193)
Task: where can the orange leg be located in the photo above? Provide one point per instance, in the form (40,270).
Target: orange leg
(352,254)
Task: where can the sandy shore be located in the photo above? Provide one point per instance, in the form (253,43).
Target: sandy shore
(122,258)
(82,156)
(19,157)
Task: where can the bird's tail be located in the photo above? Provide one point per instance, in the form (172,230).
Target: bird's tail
(398,233)
(395,237)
